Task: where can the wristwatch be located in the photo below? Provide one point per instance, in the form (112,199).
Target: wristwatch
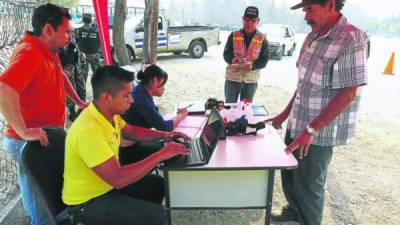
(310,130)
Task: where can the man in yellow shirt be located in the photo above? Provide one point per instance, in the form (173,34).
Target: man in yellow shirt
(98,189)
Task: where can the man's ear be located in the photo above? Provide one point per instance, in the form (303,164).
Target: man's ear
(47,30)
(105,97)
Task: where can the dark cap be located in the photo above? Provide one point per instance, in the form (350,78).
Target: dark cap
(307,3)
(251,12)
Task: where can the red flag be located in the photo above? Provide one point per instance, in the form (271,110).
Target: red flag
(101,11)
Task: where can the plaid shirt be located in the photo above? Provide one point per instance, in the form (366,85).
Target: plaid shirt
(327,65)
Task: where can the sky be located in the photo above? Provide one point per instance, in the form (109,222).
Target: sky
(380,9)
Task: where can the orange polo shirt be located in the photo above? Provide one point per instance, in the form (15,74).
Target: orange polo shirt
(35,74)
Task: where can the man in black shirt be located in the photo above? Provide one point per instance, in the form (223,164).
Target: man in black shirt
(69,57)
(87,39)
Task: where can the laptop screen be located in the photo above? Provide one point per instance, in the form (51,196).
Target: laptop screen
(212,130)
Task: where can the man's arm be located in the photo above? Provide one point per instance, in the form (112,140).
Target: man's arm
(228,50)
(71,93)
(119,176)
(10,107)
(330,112)
(278,120)
(135,133)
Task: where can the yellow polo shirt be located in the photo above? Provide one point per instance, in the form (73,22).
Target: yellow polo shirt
(91,140)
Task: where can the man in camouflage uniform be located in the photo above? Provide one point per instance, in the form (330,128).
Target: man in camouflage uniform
(87,39)
(72,60)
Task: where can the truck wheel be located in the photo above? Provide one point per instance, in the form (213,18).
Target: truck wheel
(279,56)
(196,49)
(131,55)
(290,52)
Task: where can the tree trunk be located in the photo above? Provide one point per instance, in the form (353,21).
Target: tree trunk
(150,32)
(118,33)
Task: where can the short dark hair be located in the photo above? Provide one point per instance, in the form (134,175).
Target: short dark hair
(86,17)
(110,79)
(338,4)
(151,72)
(48,13)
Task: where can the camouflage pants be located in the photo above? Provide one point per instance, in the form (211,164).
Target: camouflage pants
(94,61)
(76,77)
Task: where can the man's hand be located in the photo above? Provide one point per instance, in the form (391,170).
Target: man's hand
(67,73)
(276,121)
(172,149)
(302,142)
(82,104)
(170,136)
(183,111)
(247,67)
(82,57)
(36,134)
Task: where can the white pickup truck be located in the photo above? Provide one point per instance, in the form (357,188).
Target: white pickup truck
(281,39)
(177,39)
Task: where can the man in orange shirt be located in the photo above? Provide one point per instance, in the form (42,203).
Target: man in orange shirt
(33,90)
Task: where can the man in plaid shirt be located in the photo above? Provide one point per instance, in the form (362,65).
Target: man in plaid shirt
(322,112)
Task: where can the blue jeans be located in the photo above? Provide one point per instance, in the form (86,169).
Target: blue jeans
(30,200)
(233,89)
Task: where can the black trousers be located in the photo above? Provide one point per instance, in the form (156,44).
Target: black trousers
(136,204)
(304,187)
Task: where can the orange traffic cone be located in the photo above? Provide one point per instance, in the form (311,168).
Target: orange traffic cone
(389,66)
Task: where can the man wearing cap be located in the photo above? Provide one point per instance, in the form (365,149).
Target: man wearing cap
(246,52)
(87,39)
(322,112)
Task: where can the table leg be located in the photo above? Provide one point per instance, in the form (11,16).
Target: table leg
(167,198)
(271,175)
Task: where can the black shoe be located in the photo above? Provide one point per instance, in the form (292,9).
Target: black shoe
(286,214)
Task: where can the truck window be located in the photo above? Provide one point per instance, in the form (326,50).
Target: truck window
(160,23)
(287,32)
(140,27)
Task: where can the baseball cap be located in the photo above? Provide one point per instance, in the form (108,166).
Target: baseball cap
(251,12)
(307,3)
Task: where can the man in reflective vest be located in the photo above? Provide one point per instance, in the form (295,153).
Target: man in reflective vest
(246,52)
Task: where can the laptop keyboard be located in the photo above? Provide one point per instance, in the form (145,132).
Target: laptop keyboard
(196,155)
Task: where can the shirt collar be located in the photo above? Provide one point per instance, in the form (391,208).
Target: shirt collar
(30,38)
(101,119)
(336,28)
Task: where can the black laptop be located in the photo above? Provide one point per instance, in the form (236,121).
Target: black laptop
(201,148)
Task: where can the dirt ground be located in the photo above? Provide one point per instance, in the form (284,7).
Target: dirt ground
(363,181)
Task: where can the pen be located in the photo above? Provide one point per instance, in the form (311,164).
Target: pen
(189,105)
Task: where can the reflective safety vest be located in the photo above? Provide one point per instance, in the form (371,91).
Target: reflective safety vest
(235,71)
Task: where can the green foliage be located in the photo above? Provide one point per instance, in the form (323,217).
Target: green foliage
(65,3)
